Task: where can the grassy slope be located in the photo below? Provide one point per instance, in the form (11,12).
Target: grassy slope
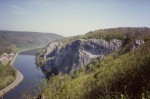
(127,74)
(122,74)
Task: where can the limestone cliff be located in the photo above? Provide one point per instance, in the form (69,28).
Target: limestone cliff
(78,53)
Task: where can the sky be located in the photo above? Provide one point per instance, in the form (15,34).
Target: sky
(72,17)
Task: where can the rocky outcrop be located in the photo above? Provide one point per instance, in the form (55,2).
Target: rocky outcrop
(138,43)
(78,53)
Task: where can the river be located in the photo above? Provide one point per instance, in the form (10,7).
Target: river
(33,76)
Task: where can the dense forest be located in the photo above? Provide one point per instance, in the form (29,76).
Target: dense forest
(123,74)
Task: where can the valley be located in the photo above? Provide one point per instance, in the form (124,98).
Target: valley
(108,63)
(74,49)
(11,77)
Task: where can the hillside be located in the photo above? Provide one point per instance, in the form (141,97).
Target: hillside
(21,40)
(122,73)
(78,48)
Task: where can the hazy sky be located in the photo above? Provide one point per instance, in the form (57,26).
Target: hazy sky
(72,17)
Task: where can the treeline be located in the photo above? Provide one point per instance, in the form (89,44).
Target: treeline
(25,39)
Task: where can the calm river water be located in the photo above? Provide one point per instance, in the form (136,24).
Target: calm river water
(33,76)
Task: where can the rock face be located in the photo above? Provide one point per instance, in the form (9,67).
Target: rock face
(137,43)
(78,53)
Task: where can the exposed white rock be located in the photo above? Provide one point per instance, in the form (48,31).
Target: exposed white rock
(137,43)
(51,48)
(78,53)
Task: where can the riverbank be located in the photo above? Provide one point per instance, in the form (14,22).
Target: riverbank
(31,51)
(19,78)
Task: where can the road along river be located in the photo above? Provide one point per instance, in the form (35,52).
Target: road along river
(33,76)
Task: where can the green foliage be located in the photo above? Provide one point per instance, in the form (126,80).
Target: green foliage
(115,77)
(106,35)
(40,58)
(124,74)
(118,33)
(128,74)
(7,75)
(11,48)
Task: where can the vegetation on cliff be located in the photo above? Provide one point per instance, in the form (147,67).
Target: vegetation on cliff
(127,35)
(124,74)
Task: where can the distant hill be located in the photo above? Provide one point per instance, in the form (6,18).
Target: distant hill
(22,39)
